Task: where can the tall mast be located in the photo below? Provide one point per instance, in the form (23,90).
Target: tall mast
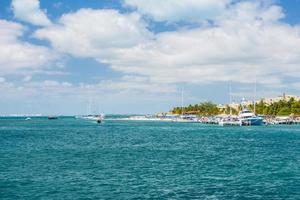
(230,98)
(182,101)
(89,108)
(255,91)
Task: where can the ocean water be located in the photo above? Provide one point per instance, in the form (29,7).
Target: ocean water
(76,159)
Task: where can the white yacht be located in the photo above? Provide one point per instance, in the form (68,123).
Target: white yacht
(248,118)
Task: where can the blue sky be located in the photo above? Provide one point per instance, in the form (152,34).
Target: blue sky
(131,56)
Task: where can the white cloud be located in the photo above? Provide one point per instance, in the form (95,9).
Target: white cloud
(247,37)
(83,91)
(179,10)
(140,85)
(55,97)
(248,11)
(90,33)
(27,78)
(50,83)
(2,80)
(242,38)
(16,54)
(29,11)
(66,84)
(13,91)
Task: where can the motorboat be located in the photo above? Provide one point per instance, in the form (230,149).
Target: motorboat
(99,118)
(52,117)
(248,118)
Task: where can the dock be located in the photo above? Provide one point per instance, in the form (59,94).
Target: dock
(229,123)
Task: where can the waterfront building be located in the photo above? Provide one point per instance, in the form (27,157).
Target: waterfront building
(283,97)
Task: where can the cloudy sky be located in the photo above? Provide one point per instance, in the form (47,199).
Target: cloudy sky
(134,56)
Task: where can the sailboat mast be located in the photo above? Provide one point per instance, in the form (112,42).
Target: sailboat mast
(89,107)
(230,98)
(255,91)
(182,101)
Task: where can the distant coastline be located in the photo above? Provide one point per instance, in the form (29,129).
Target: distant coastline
(285,105)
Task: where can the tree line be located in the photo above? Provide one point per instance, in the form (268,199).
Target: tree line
(280,108)
(203,109)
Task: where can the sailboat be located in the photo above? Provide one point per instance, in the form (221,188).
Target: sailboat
(94,117)
(229,120)
(181,117)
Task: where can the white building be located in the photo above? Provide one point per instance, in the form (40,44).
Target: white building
(284,97)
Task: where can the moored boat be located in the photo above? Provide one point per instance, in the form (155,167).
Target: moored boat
(229,121)
(248,118)
(52,117)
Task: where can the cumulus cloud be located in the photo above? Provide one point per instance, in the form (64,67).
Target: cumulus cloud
(242,39)
(63,97)
(247,37)
(16,54)
(178,10)
(90,33)
(83,91)
(29,11)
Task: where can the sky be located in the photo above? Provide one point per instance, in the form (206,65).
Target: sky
(68,57)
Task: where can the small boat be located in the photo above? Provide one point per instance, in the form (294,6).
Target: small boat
(52,117)
(229,121)
(99,118)
(283,120)
(27,119)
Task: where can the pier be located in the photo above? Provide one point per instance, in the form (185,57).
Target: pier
(230,123)
(214,120)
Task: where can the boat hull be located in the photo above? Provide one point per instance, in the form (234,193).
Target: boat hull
(254,121)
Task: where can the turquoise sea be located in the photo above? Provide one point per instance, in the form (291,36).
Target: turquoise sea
(76,159)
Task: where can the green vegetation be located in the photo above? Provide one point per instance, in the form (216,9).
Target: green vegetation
(228,111)
(203,109)
(280,108)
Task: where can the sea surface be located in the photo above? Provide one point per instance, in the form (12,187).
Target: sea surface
(73,158)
